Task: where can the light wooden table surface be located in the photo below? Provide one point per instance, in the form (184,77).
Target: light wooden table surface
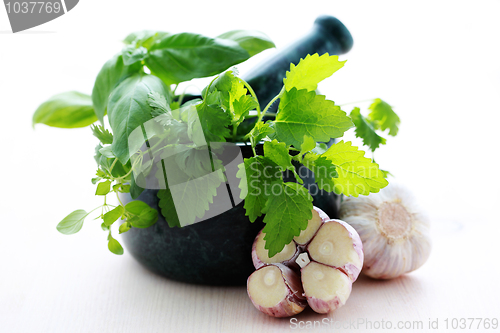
(45,289)
(435,61)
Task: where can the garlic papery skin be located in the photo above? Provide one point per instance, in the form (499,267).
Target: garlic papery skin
(393,229)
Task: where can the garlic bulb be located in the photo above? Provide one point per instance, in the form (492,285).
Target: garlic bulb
(394,232)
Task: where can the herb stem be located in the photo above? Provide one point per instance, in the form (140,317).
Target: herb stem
(131,169)
(235,130)
(253,149)
(265,111)
(252,92)
(118,197)
(113,165)
(270,103)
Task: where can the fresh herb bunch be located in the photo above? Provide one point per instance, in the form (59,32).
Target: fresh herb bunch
(228,111)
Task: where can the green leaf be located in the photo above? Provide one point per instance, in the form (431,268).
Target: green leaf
(308,144)
(114,246)
(103,188)
(311,70)
(287,214)
(258,178)
(305,113)
(111,74)
(142,216)
(383,117)
(320,148)
(252,41)
(122,188)
(242,106)
(135,190)
(129,108)
(185,56)
(196,162)
(110,217)
(107,152)
(124,227)
(105,163)
(72,223)
(364,130)
(167,206)
(159,104)
(102,134)
(132,55)
(67,110)
(259,132)
(214,121)
(190,186)
(278,153)
(234,95)
(144,38)
(324,171)
(356,174)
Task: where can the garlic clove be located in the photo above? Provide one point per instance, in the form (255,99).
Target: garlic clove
(338,245)
(313,225)
(326,288)
(394,231)
(260,253)
(276,290)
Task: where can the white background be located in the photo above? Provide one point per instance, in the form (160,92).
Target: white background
(436,62)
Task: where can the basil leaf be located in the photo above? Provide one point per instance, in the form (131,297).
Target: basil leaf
(144,38)
(114,246)
(129,108)
(185,56)
(111,74)
(131,54)
(143,216)
(252,41)
(110,217)
(67,110)
(72,223)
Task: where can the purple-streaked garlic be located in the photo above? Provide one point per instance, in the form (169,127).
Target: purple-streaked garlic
(290,252)
(276,290)
(260,254)
(313,225)
(327,288)
(317,268)
(394,231)
(338,245)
